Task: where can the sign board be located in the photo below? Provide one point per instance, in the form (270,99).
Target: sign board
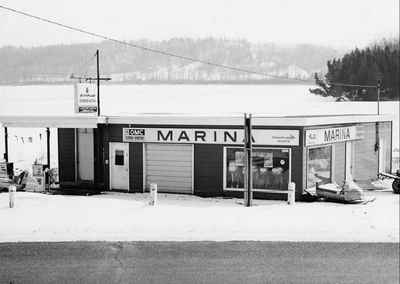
(210,136)
(85,99)
(331,135)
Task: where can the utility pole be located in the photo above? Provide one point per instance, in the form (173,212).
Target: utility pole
(98,82)
(378,91)
(248,192)
(6,144)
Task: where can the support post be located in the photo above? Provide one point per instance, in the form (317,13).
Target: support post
(248,192)
(48,146)
(98,82)
(6,144)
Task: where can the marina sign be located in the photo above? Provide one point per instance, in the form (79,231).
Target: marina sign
(210,136)
(331,135)
(85,99)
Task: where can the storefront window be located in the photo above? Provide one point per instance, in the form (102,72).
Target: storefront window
(270,168)
(319,164)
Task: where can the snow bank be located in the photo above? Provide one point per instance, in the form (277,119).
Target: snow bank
(128,217)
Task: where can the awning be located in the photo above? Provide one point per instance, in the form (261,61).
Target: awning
(75,121)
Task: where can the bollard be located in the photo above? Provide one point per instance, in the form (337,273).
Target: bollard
(153,194)
(291,193)
(11,193)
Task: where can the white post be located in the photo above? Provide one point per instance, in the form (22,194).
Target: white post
(291,193)
(11,193)
(153,194)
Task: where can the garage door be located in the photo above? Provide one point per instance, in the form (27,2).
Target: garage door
(170,167)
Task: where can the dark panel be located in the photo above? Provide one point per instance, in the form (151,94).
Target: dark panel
(66,154)
(297,170)
(208,170)
(136,167)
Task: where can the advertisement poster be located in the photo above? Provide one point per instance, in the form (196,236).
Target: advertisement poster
(239,156)
(268,158)
(85,99)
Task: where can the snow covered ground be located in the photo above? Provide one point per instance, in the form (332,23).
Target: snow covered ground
(128,217)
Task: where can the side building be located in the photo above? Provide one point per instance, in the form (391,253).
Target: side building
(203,155)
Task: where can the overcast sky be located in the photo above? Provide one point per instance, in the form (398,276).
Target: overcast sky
(338,23)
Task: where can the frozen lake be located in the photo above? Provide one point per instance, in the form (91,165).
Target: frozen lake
(197,99)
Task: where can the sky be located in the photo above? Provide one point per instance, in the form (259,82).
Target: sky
(337,23)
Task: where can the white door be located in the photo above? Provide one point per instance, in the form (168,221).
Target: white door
(170,166)
(349,165)
(85,154)
(119,166)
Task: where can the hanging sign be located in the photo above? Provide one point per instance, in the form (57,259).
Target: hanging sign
(331,135)
(210,136)
(85,99)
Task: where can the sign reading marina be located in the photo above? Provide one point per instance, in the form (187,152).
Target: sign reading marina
(210,136)
(331,135)
(85,99)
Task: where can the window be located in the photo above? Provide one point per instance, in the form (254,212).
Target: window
(119,157)
(270,168)
(319,165)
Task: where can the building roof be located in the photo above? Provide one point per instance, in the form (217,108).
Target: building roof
(258,120)
(86,121)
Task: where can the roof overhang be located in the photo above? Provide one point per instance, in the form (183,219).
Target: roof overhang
(257,120)
(81,121)
(75,121)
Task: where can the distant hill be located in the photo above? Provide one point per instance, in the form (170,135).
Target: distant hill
(55,64)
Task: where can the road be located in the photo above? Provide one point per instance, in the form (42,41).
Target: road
(199,262)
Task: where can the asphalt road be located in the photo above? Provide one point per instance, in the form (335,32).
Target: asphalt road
(198,262)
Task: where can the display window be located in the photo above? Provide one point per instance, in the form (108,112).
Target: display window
(319,165)
(271,168)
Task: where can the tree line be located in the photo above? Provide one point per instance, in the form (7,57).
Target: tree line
(125,64)
(379,62)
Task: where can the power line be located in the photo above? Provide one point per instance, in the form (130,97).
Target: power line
(148,49)
(352,85)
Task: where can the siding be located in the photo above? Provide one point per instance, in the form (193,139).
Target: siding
(208,170)
(136,167)
(66,155)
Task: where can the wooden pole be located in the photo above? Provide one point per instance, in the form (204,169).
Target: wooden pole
(48,146)
(6,144)
(98,82)
(248,191)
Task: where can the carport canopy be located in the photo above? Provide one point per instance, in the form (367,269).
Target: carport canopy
(73,121)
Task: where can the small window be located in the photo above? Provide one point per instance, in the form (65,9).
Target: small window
(119,157)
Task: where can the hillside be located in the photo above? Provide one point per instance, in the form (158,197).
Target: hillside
(52,64)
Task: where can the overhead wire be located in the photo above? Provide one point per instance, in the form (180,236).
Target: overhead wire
(170,54)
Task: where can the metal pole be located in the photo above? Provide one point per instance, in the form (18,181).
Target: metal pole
(98,82)
(378,86)
(248,192)
(6,144)
(48,146)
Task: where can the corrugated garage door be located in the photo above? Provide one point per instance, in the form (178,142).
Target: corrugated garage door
(169,166)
